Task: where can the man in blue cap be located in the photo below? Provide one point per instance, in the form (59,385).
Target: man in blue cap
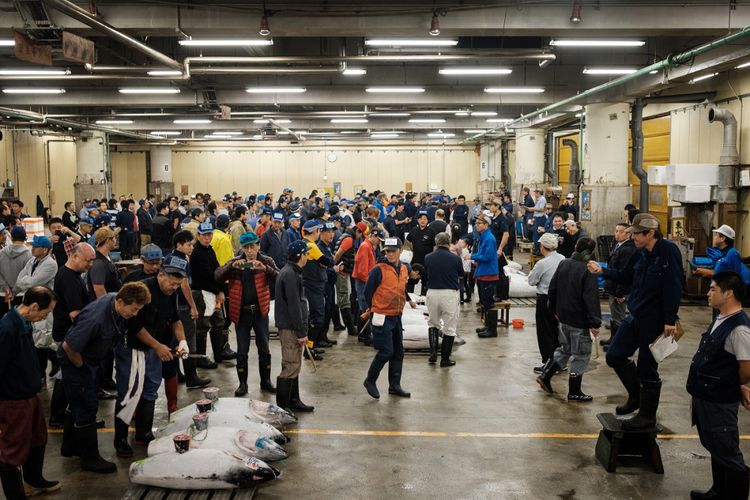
(264,222)
(274,241)
(325,243)
(315,279)
(13,258)
(294,229)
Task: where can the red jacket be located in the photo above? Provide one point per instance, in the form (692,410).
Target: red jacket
(363,261)
(261,282)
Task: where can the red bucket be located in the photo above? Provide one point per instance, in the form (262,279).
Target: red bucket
(517,323)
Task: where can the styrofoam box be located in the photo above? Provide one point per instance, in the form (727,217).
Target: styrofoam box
(691,194)
(657,175)
(692,174)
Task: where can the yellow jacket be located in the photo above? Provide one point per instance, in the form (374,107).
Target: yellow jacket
(222,245)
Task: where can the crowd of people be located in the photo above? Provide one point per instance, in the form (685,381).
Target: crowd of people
(322,261)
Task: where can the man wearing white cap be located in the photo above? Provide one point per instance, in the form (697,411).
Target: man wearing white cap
(569,206)
(725,256)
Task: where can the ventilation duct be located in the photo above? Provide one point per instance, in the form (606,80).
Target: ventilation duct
(574,176)
(729,154)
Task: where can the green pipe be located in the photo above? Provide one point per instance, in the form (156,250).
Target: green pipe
(669,62)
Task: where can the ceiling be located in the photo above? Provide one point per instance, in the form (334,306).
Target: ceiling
(314,47)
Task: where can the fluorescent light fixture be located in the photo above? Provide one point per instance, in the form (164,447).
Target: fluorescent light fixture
(32,90)
(7,42)
(427,120)
(384,136)
(165,132)
(743,65)
(579,115)
(394,115)
(704,77)
(475,131)
(222,135)
(499,120)
(376,132)
(275,90)
(148,90)
(475,71)
(114,122)
(597,43)
(261,122)
(608,71)
(34,72)
(230,132)
(191,121)
(462,113)
(484,113)
(350,132)
(355,71)
(441,135)
(514,90)
(394,90)
(349,120)
(413,42)
(164,72)
(239,42)
(653,72)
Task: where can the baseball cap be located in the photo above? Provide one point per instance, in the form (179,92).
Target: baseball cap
(41,242)
(485,218)
(18,233)
(362,226)
(548,205)
(295,216)
(569,223)
(278,216)
(392,244)
(294,206)
(549,241)
(297,248)
(261,197)
(266,211)
(329,226)
(287,190)
(88,220)
(497,201)
(248,238)
(103,234)
(311,226)
(151,252)
(422,213)
(570,196)
(723,230)
(643,222)
(175,265)
(205,228)
(379,233)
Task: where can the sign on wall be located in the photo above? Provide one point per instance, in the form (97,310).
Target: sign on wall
(337,189)
(586,204)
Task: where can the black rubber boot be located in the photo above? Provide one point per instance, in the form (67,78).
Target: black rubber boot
(69,447)
(490,324)
(337,326)
(545,379)
(144,422)
(192,380)
(295,402)
(346,316)
(57,405)
(200,348)
(242,378)
(646,417)
(432,337)
(482,328)
(371,388)
(283,392)
(716,491)
(12,481)
(88,444)
(445,351)
(399,391)
(628,375)
(122,447)
(574,389)
(265,379)
(737,485)
(34,482)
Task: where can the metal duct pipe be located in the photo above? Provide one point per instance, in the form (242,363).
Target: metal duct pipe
(398,58)
(82,15)
(574,177)
(550,166)
(505,165)
(636,132)
(729,154)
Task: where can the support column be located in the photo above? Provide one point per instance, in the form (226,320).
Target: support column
(489,168)
(161,184)
(605,167)
(529,167)
(91,167)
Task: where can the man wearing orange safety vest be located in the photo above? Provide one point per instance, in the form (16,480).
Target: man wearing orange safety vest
(385,296)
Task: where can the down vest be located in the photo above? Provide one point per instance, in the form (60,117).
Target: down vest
(262,283)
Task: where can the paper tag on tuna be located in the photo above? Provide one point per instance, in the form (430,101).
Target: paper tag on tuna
(251,462)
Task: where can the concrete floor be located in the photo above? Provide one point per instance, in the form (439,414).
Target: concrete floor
(472,415)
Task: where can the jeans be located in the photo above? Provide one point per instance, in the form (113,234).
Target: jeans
(636,335)
(188,325)
(361,302)
(546,328)
(152,377)
(259,324)
(487,293)
(718,432)
(315,292)
(389,341)
(80,388)
(575,345)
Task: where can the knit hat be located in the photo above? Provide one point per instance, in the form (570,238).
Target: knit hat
(549,241)
(248,238)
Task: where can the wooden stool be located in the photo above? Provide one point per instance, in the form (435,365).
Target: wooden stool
(525,246)
(503,316)
(533,259)
(615,442)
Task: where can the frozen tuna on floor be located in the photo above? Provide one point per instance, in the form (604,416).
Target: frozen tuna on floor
(182,419)
(237,441)
(201,470)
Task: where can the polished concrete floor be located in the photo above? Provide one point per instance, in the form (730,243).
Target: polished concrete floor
(481,429)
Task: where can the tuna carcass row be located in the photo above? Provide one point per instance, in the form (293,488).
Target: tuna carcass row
(228,439)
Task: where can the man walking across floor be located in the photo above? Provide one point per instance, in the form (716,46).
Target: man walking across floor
(617,293)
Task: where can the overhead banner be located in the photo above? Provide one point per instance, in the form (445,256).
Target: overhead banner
(77,49)
(28,50)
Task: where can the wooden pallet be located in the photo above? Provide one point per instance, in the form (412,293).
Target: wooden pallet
(151,493)
(522,301)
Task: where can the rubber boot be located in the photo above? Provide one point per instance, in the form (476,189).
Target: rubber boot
(490,320)
(144,422)
(122,448)
(432,337)
(57,405)
(265,379)
(88,444)
(284,392)
(170,391)
(737,484)
(69,446)
(34,482)
(295,403)
(628,375)
(200,345)
(242,378)
(482,328)
(364,329)
(218,341)
(574,389)
(192,380)
(12,481)
(346,316)
(545,379)
(445,351)
(646,417)
(371,388)
(716,491)
(227,353)
(337,326)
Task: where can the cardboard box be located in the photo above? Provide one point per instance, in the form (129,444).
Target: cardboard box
(689,174)
(691,194)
